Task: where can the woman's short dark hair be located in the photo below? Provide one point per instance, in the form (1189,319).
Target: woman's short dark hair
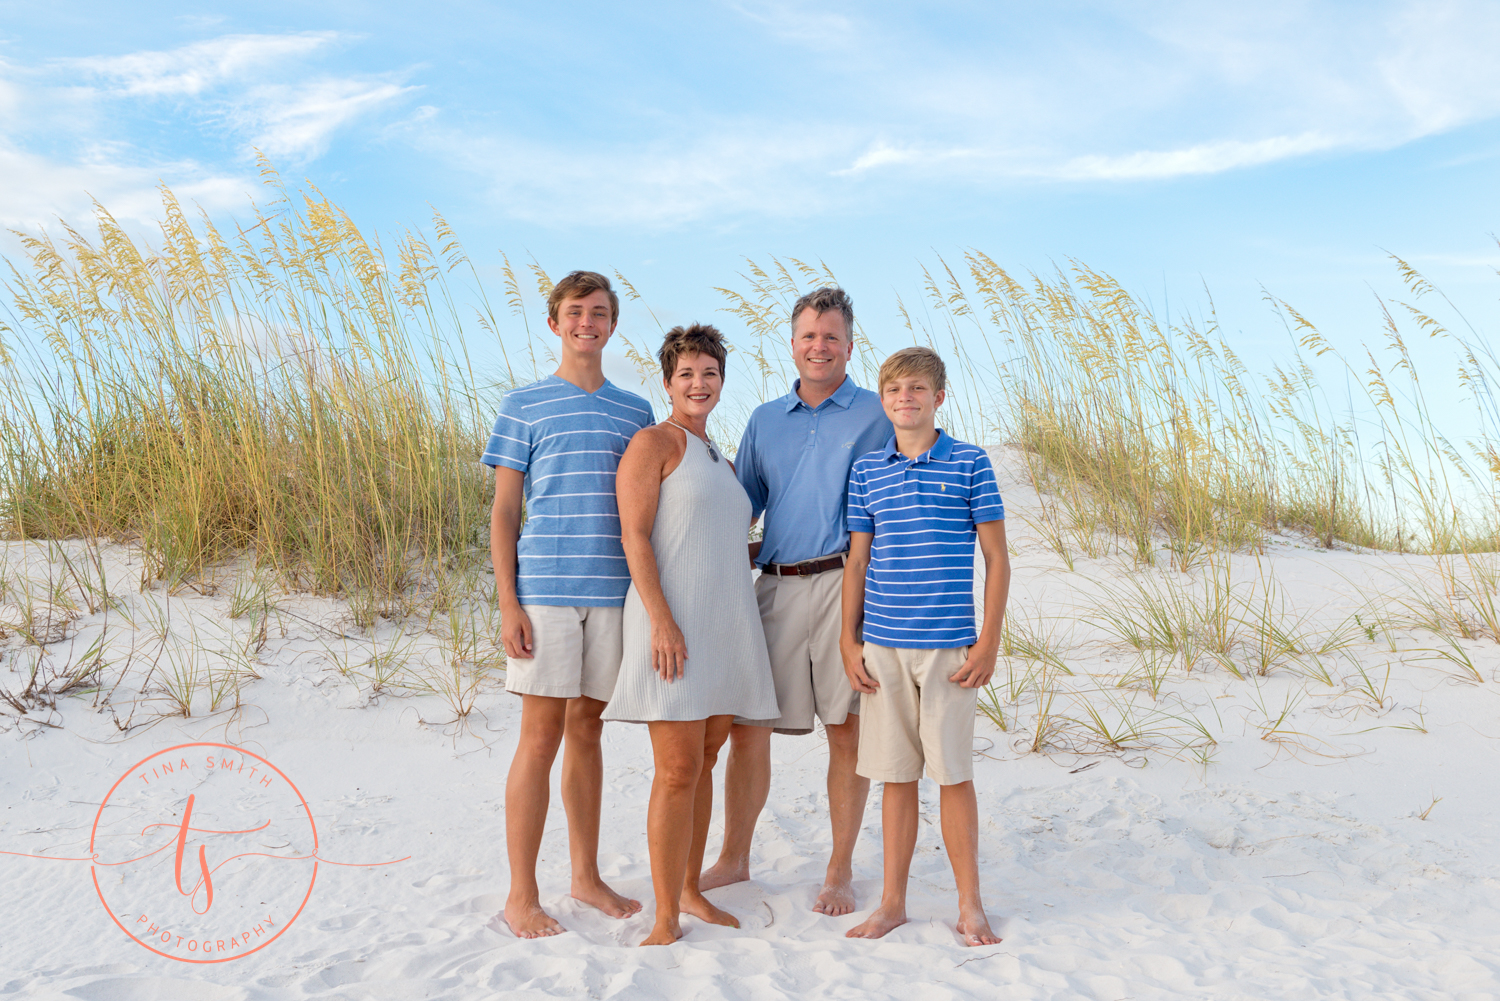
(700,338)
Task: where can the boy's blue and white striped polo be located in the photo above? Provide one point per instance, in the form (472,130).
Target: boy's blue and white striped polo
(919,588)
(568,443)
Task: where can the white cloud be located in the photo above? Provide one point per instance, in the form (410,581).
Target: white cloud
(1444,71)
(297,121)
(10,101)
(815,104)
(228,78)
(799,22)
(727,172)
(1204,158)
(201,66)
(242,82)
(39,190)
(1175,89)
(882,154)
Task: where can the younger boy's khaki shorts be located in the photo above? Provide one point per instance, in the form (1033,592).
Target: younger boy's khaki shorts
(917,717)
(575,651)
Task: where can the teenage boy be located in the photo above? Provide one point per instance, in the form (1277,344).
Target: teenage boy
(561,582)
(914,511)
(794,463)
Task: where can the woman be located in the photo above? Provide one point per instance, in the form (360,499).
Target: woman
(695,656)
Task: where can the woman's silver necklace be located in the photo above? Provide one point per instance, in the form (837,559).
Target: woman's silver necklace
(707,441)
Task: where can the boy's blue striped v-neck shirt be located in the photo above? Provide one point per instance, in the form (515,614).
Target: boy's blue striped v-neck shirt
(568,442)
(919,588)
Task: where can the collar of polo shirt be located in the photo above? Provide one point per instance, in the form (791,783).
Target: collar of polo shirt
(940,450)
(842,397)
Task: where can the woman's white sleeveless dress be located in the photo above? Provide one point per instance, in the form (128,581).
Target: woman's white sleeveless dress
(702,518)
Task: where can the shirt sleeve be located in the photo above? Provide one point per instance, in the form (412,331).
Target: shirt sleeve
(860,518)
(984,492)
(747,468)
(510,439)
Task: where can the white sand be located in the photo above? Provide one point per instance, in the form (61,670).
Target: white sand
(1289,867)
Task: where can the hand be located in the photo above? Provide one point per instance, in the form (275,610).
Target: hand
(853,652)
(977,668)
(515,632)
(668,650)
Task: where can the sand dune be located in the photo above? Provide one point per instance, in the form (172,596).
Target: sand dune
(1286,859)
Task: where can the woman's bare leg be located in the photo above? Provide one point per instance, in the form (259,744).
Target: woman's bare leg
(716,730)
(677,748)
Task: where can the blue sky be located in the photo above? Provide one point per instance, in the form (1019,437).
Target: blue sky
(1277,145)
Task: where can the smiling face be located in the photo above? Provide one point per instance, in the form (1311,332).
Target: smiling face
(821,348)
(911,402)
(695,385)
(584,324)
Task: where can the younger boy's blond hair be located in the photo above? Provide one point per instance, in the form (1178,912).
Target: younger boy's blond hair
(914,361)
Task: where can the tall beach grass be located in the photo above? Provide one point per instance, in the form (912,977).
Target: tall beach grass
(294,389)
(1152,429)
(284,388)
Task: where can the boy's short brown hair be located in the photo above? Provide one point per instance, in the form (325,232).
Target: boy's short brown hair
(700,338)
(914,361)
(821,300)
(579,285)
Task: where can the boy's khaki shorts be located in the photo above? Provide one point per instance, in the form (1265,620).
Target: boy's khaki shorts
(802,617)
(575,651)
(917,717)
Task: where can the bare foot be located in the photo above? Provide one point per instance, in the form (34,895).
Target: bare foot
(722,873)
(598,894)
(663,934)
(836,898)
(975,929)
(528,920)
(698,906)
(877,924)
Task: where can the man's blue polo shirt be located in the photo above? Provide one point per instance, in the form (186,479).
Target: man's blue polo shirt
(794,463)
(919,588)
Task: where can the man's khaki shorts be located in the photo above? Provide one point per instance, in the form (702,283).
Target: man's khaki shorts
(802,618)
(575,651)
(918,717)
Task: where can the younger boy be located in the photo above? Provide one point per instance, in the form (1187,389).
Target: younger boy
(914,512)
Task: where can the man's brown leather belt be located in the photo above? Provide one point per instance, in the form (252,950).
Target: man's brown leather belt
(807,568)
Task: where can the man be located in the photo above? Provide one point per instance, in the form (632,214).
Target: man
(561,584)
(794,463)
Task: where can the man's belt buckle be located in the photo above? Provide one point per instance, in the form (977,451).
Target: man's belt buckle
(810,568)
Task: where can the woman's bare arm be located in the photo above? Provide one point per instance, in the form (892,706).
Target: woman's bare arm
(651,455)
